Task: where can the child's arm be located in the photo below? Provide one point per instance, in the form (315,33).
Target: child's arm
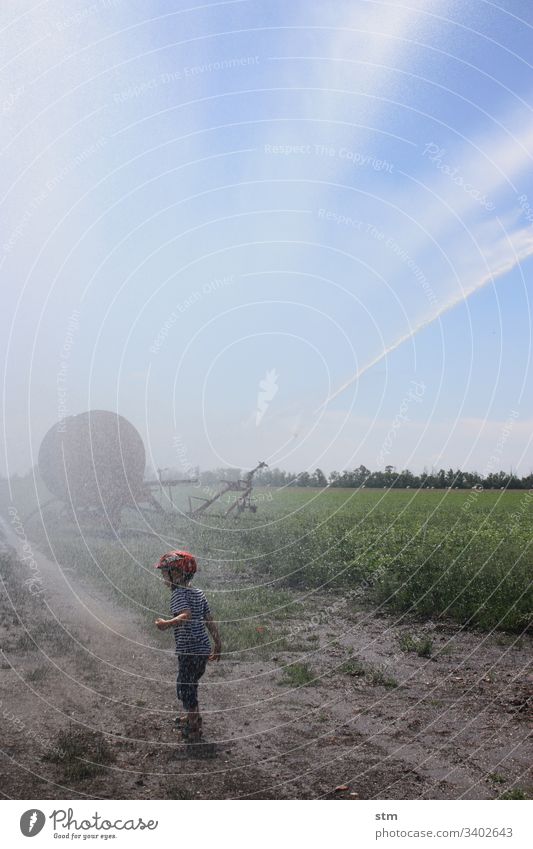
(163,624)
(213,630)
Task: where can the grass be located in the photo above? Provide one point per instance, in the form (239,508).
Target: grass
(22,644)
(80,753)
(354,667)
(38,674)
(49,636)
(380,676)
(435,554)
(375,675)
(54,635)
(515,793)
(422,646)
(298,675)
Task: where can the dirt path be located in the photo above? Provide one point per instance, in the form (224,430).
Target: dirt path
(455,725)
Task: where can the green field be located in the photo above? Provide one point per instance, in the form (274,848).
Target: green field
(457,555)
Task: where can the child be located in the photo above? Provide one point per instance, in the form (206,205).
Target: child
(193,647)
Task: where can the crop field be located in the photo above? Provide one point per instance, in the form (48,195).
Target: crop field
(462,556)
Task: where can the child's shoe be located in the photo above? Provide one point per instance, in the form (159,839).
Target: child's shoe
(188,734)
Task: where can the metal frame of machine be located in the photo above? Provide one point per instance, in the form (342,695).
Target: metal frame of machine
(242,502)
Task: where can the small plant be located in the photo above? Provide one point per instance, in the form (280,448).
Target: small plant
(37,674)
(422,646)
(178,790)
(353,667)
(514,793)
(425,647)
(298,675)
(81,753)
(53,636)
(23,643)
(497,778)
(378,675)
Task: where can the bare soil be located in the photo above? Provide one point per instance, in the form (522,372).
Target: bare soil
(362,719)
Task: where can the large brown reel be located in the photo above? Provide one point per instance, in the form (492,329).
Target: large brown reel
(94,460)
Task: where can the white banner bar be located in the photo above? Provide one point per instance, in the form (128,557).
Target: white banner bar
(265,824)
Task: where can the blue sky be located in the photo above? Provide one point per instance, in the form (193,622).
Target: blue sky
(207,208)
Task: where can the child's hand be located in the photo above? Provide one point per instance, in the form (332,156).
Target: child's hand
(215,654)
(162,624)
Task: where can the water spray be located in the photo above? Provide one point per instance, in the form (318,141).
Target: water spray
(458,299)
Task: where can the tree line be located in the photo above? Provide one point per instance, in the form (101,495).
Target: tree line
(390,477)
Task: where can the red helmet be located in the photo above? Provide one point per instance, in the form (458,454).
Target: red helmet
(181,559)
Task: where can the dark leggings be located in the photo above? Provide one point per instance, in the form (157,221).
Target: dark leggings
(190,670)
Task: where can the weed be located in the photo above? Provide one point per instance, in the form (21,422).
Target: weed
(52,635)
(38,674)
(24,643)
(81,753)
(89,664)
(178,790)
(378,675)
(514,793)
(353,667)
(423,646)
(298,675)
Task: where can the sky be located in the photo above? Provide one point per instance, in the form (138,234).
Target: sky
(293,232)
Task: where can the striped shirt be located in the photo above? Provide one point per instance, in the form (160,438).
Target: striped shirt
(191,637)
